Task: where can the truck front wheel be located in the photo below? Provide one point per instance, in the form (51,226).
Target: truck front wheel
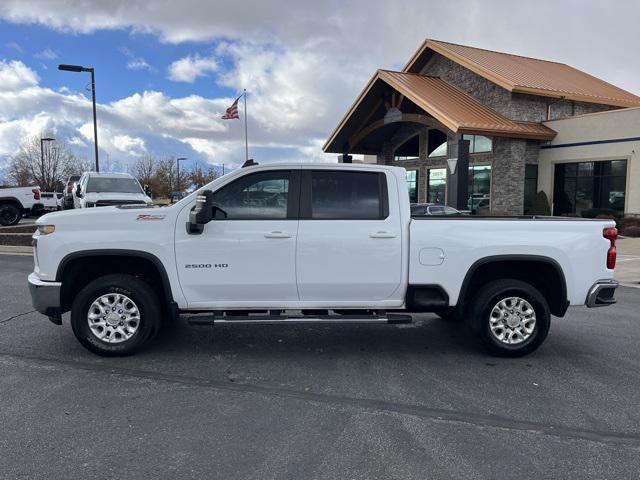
(115,315)
(510,317)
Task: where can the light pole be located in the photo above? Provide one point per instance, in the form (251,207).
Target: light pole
(42,140)
(178,160)
(78,68)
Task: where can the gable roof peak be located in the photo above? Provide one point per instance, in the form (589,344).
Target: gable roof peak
(520,74)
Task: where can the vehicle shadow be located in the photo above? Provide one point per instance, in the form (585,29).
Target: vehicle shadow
(428,335)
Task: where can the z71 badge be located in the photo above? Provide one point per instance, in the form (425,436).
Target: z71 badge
(148,216)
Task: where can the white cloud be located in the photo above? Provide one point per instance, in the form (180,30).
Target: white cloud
(189,68)
(15,75)
(138,64)
(14,46)
(47,54)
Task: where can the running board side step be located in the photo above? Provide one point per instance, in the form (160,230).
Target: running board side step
(297,320)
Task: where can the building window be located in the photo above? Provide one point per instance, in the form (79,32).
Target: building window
(409,150)
(437,185)
(437,144)
(479,187)
(412,184)
(478,143)
(586,185)
(530,186)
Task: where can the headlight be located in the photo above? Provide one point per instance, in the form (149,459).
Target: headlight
(46,229)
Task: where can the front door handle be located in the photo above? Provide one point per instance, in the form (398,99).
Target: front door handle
(277,234)
(382,234)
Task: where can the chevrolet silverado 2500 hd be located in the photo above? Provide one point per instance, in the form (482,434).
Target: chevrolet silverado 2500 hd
(313,243)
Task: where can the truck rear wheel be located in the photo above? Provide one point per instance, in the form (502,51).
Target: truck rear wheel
(9,214)
(115,315)
(510,317)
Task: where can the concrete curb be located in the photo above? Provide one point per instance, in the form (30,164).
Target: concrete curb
(15,250)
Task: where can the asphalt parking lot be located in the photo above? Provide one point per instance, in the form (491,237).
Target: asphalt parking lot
(417,401)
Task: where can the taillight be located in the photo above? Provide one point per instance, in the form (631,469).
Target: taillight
(36,193)
(69,187)
(611,234)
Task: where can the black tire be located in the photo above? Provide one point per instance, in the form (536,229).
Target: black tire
(148,321)
(9,215)
(481,312)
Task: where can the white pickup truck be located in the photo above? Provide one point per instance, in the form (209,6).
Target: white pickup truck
(18,201)
(295,243)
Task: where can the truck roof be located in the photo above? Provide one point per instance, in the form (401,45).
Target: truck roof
(108,175)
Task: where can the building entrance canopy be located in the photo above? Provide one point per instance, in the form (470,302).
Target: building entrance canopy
(392,98)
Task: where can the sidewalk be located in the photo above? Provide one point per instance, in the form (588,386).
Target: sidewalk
(628,263)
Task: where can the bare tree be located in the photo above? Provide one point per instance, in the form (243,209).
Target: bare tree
(164,179)
(48,168)
(144,169)
(201,176)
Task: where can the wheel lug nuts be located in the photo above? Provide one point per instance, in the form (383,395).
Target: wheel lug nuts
(123,317)
(119,311)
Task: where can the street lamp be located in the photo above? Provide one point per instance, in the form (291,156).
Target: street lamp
(42,140)
(178,160)
(78,68)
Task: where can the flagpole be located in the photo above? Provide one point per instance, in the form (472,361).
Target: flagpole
(246,138)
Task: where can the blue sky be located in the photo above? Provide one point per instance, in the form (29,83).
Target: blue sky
(109,51)
(167,70)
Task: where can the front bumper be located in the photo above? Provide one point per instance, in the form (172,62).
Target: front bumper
(45,297)
(601,293)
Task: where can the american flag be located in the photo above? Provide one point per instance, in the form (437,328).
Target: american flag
(232,111)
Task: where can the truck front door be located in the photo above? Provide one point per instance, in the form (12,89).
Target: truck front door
(247,259)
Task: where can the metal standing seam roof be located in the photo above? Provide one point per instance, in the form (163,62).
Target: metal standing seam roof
(457,110)
(530,75)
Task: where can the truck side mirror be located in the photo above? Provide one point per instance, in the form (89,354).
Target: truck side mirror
(78,191)
(202,213)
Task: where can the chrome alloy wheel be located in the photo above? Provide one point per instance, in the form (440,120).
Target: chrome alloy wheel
(113,318)
(512,320)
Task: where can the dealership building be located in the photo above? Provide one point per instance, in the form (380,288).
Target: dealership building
(484,130)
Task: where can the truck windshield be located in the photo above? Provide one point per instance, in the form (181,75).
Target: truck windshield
(116,185)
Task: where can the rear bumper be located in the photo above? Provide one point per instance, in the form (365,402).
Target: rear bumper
(601,294)
(45,296)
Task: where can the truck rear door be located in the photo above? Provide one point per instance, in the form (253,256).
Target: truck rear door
(349,250)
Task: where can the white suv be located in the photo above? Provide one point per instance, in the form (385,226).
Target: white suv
(105,189)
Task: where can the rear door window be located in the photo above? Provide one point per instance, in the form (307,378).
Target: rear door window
(336,195)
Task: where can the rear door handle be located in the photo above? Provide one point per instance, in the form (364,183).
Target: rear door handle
(277,234)
(382,235)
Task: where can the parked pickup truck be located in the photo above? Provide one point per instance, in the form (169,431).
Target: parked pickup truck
(302,243)
(18,201)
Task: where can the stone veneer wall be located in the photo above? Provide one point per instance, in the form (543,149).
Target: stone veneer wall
(509,155)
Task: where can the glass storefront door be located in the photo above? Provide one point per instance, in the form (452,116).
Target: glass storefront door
(479,187)
(437,186)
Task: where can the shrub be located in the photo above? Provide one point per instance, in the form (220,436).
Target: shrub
(540,205)
(628,222)
(631,231)
(600,212)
